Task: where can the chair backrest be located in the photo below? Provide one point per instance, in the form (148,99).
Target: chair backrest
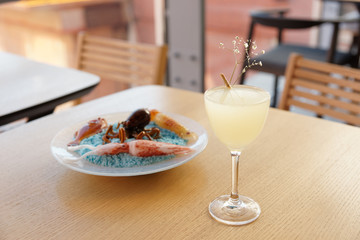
(120,60)
(323,88)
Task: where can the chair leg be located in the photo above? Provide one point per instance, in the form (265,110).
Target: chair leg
(276,81)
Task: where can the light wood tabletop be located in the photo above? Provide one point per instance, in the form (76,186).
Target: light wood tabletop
(33,89)
(303,171)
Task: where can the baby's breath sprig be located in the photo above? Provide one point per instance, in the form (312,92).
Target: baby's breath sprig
(249,50)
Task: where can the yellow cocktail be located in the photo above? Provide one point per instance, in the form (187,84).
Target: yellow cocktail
(237,116)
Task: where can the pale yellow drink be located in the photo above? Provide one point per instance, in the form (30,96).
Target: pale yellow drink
(237,115)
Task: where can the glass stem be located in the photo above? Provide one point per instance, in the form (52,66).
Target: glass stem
(235,155)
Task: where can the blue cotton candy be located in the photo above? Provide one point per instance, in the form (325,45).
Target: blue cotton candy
(124,160)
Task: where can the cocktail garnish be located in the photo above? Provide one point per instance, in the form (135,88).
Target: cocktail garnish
(249,50)
(225,80)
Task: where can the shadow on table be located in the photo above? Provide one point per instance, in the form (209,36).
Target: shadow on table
(74,189)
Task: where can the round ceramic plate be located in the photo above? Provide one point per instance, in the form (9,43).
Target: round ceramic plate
(59,149)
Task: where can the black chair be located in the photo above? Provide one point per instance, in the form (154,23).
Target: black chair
(353,28)
(275,60)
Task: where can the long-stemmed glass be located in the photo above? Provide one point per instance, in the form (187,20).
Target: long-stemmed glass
(237,116)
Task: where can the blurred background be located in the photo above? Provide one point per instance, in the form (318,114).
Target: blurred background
(46,31)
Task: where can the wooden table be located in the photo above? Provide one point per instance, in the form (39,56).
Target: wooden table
(303,171)
(33,89)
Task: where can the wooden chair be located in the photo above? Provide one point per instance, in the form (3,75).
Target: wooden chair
(323,88)
(120,60)
(275,60)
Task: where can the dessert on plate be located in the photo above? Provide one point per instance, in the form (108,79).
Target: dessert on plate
(145,137)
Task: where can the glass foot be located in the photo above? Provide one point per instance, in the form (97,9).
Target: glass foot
(234,212)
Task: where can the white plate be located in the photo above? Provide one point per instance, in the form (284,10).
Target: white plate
(59,146)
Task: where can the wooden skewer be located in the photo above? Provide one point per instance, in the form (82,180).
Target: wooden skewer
(225,80)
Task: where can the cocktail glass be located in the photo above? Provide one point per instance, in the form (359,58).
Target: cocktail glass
(237,116)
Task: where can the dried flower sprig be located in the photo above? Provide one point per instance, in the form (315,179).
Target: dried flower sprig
(249,50)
